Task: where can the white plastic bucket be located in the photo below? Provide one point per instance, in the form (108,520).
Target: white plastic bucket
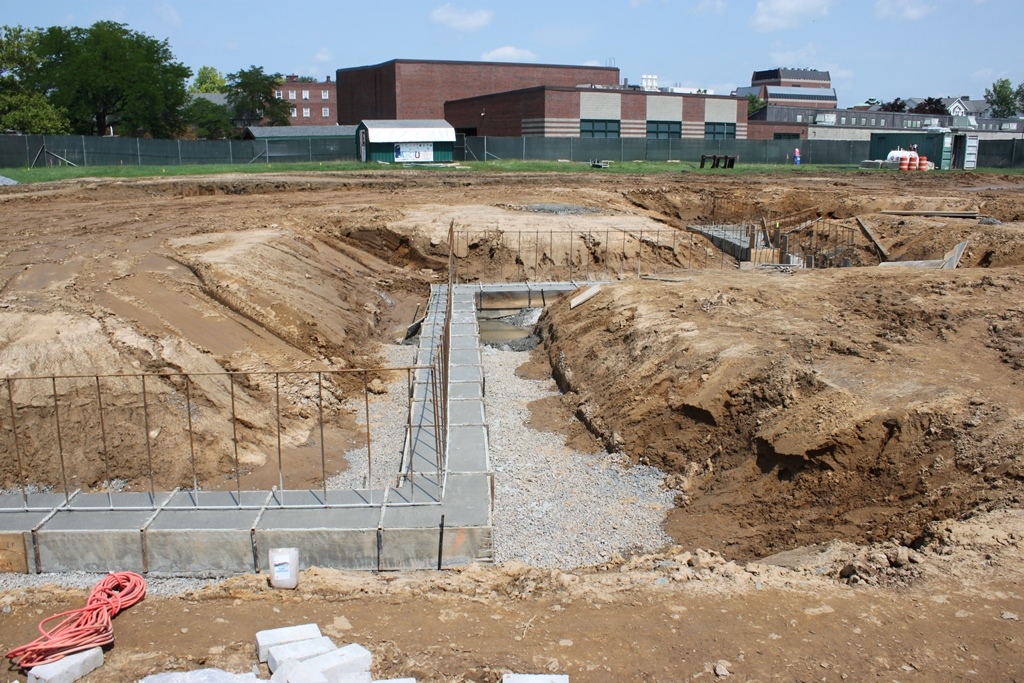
(284,567)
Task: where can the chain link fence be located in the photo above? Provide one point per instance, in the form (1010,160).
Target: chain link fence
(19,151)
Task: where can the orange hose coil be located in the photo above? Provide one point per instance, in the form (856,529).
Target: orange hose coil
(84,628)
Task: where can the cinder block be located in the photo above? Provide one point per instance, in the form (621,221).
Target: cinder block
(302,650)
(69,669)
(351,659)
(534,678)
(361,677)
(281,636)
(296,671)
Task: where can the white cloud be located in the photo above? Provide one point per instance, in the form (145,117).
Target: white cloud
(708,7)
(903,9)
(775,15)
(168,14)
(324,55)
(509,53)
(459,19)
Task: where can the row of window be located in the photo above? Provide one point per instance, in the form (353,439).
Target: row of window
(325,112)
(656,130)
(324,94)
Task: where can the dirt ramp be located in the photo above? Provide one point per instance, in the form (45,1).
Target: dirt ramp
(855,404)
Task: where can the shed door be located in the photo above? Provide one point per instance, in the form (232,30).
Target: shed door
(971,153)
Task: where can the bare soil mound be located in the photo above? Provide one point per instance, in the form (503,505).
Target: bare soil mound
(857,404)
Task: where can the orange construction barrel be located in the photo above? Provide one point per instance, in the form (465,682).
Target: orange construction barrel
(922,163)
(905,162)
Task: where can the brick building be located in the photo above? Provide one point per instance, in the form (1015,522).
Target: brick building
(609,112)
(313,104)
(793,88)
(418,89)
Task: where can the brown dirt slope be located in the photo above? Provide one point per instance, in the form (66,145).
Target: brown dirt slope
(856,404)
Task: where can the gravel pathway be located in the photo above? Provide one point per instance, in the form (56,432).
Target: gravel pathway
(555,507)
(388,418)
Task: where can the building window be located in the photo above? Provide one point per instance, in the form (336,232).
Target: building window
(799,118)
(599,128)
(279,94)
(305,112)
(664,130)
(305,94)
(787,136)
(325,94)
(863,121)
(291,94)
(872,122)
(881,122)
(842,120)
(294,112)
(326,112)
(719,131)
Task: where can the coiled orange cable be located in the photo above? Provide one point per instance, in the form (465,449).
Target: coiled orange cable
(84,628)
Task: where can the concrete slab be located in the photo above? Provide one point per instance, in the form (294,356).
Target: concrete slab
(466,412)
(273,637)
(301,650)
(458,390)
(465,357)
(467,448)
(466,373)
(468,500)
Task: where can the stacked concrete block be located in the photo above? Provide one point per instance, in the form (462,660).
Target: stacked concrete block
(300,650)
(282,636)
(69,669)
(351,659)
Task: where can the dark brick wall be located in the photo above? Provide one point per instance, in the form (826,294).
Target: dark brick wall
(561,104)
(634,106)
(766,130)
(693,109)
(418,90)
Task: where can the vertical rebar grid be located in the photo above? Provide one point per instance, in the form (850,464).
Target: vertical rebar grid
(277,410)
(17,446)
(191,437)
(323,448)
(149,449)
(369,453)
(103,441)
(60,443)
(234,438)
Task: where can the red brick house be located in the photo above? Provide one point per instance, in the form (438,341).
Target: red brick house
(313,104)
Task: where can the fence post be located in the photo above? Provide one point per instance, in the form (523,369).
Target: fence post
(524,148)
(84,161)
(310,141)
(266,149)
(485,148)
(138,150)
(179,152)
(570,150)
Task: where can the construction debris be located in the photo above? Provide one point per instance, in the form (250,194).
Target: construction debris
(870,234)
(932,214)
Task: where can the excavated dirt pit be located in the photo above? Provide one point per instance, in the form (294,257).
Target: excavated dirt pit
(856,406)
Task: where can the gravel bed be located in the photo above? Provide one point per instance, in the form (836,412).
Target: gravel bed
(4,180)
(555,507)
(388,417)
(86,580)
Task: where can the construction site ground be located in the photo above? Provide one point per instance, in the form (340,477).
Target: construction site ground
(846,446)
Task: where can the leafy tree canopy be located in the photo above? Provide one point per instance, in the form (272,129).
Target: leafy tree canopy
(929,105)
(208,80)
(754,103)
(1002,98)
(21,109)
(251,96)
(109,75)
(896,105)
(307,79)
(209,121)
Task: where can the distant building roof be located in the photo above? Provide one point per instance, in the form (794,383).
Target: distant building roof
(409,130)
(215,97)
(791,74)
(277,132)
(778,92)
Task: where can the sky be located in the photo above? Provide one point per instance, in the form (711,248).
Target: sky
(872,48)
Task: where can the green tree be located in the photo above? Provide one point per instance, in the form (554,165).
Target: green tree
(754,103)
(1020,97)
(21,109)
(208,80)
(930,105)
(209,121)
(307,79)
(1002,98)
(897,105)
(252,99)
(108,75)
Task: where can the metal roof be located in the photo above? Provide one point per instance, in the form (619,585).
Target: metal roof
(784,93)
(409,130)
(792,74)
(271,132)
